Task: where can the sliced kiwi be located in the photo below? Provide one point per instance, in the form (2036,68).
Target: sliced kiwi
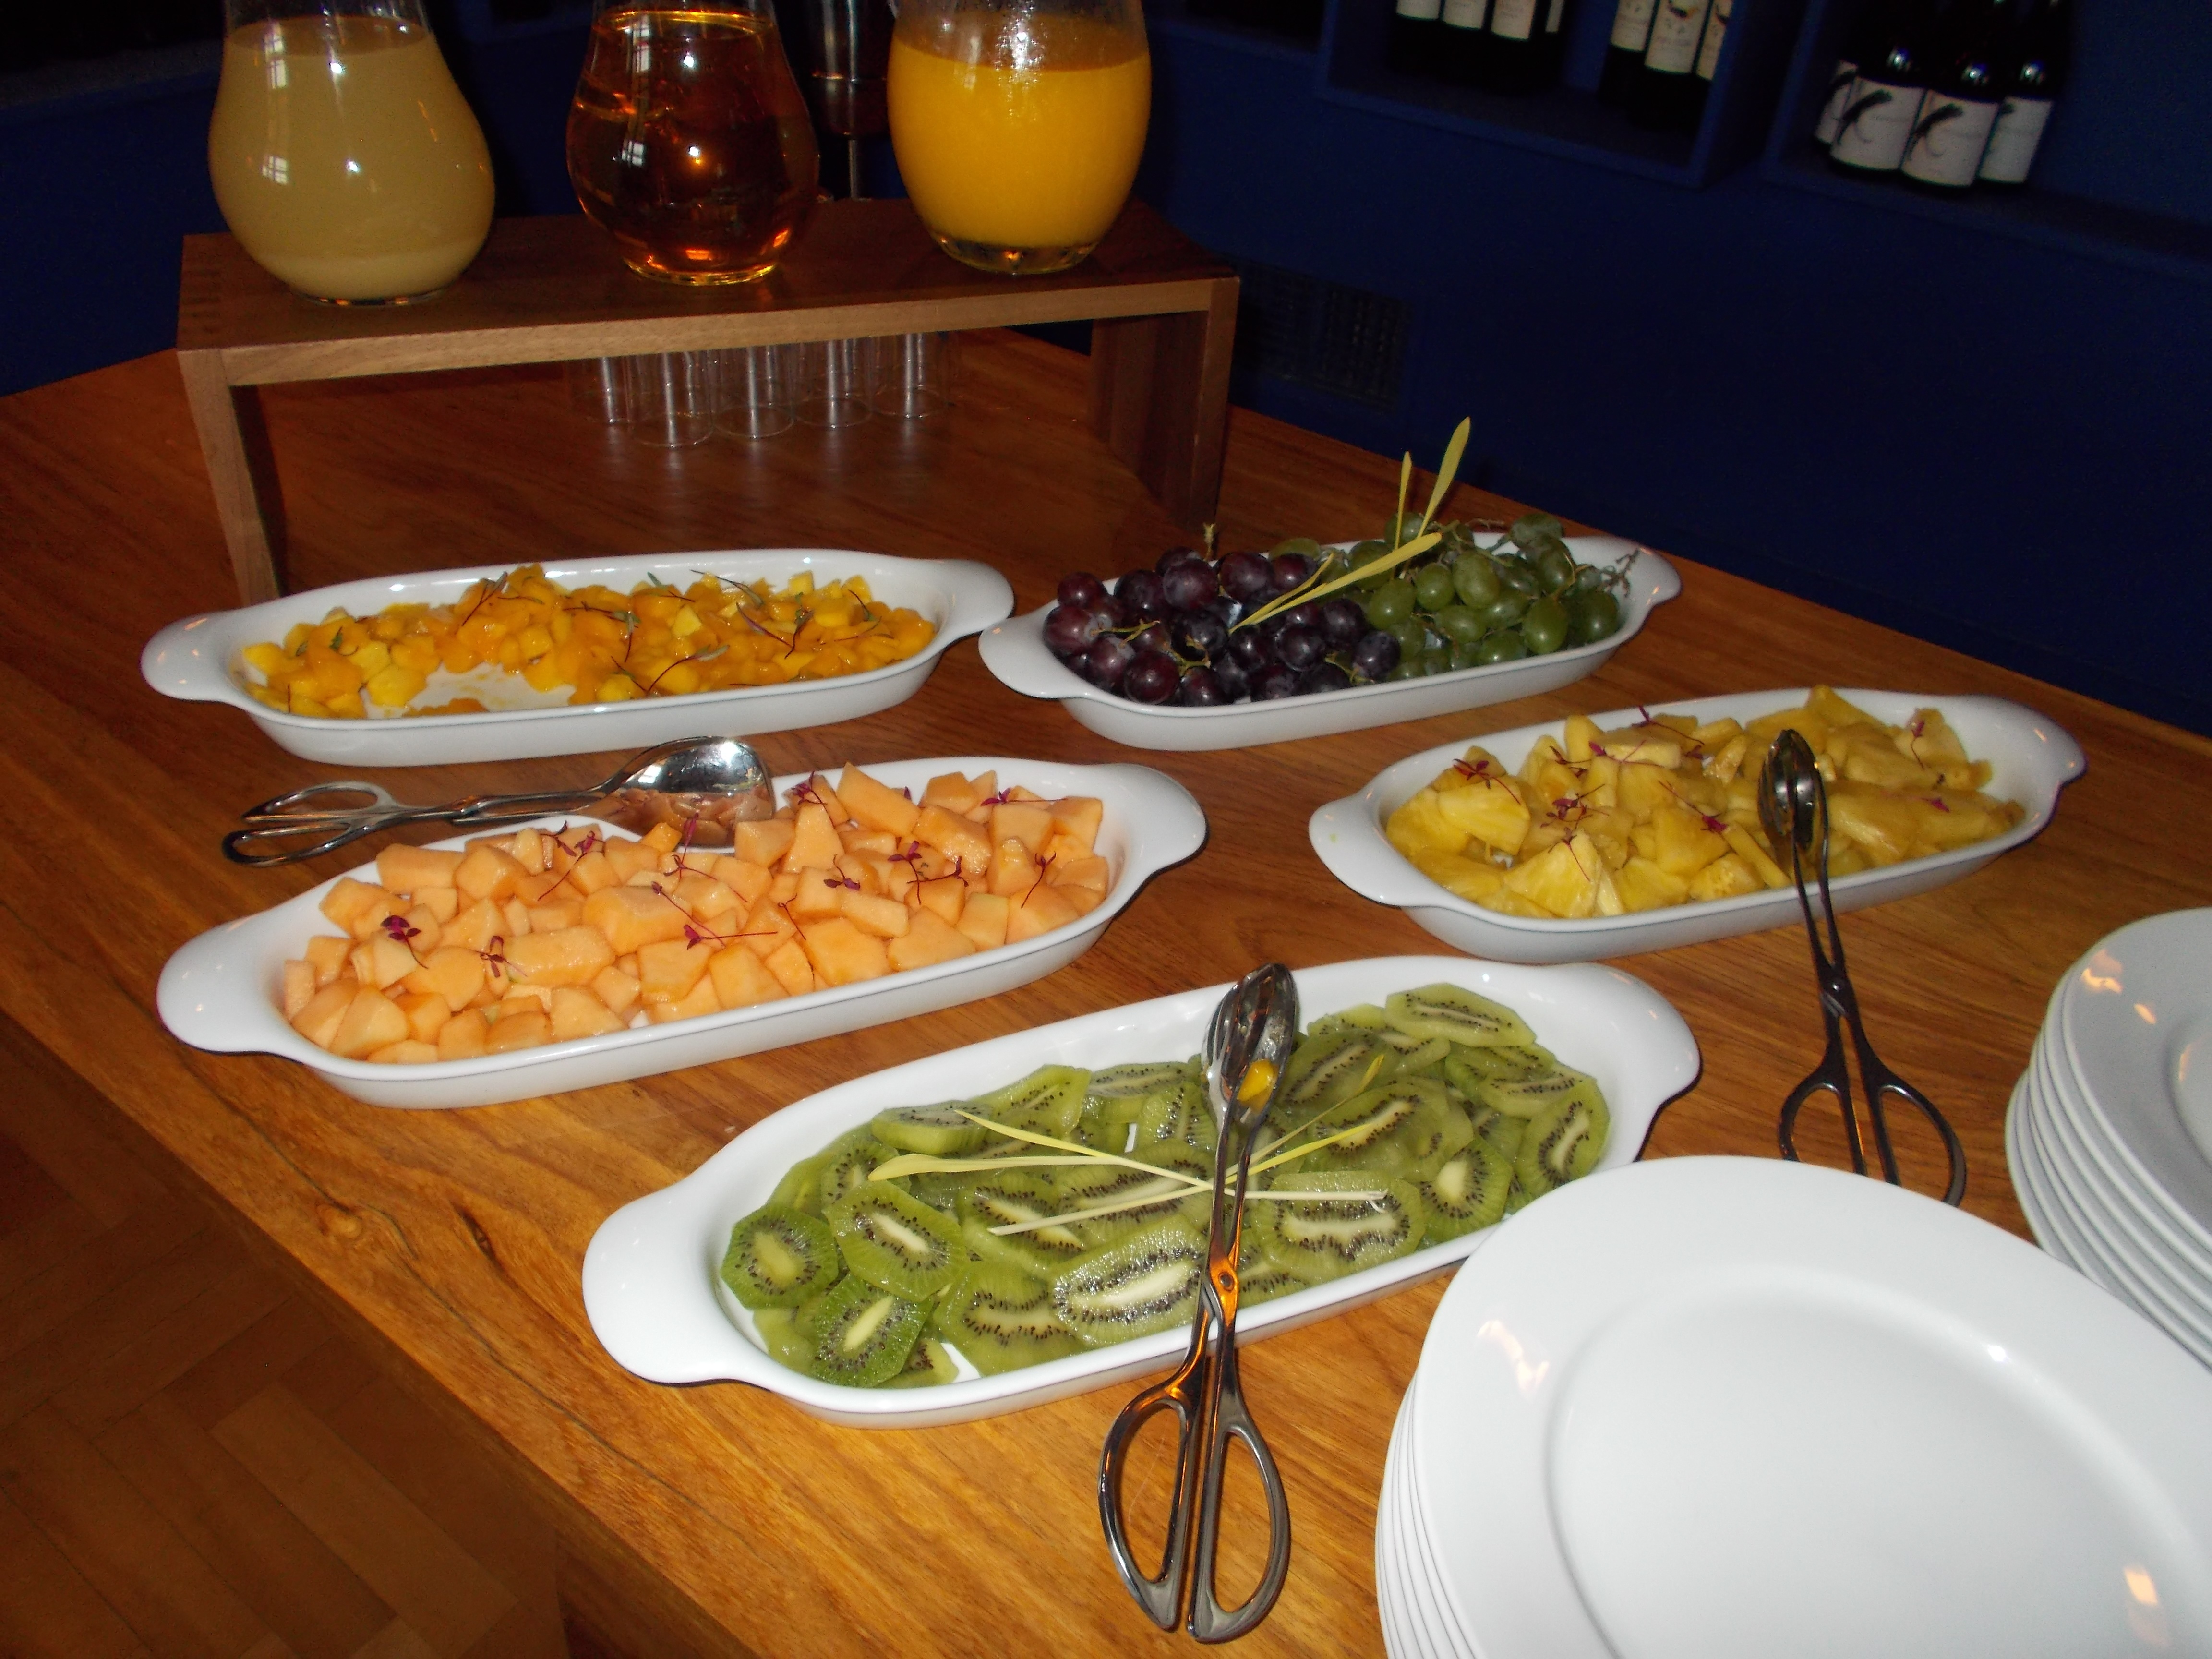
(1365,1015)
(1468,1069)
(801,1185)
(1116,1097)
(1503,1133)
(1012,1199)
(1457,1015)
(1467,1192)
(1110,1186)
(1416,1055)
(1408,1123)
(1525,1097)
(788,1334)
(1047,1102)
(862,1333)
(1002,1318)
(893,1240)
(1563,1141)
(928,1362)
(940,1131)
(845,1165)
(1324,1238)
(1148,1282)
(1517,1196)
(1333,1066)
(779,1257)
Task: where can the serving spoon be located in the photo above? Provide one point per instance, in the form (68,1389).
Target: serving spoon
(703,786)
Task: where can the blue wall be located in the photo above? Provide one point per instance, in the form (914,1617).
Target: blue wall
(1985,441)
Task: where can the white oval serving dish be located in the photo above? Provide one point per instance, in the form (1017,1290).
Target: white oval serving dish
(1015,652)
(201,659)
(658,1305)
(2031,760)
(222,991)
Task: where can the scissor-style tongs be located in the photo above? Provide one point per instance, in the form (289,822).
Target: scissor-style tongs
(1793,806)
(1247,1050)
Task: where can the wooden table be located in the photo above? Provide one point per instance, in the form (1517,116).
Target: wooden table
(717,1519)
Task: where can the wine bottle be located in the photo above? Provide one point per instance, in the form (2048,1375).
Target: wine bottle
(1884,100)
(1554,43)
(1624,49)
(1416,36)
(1515,56)
(1960,105)
(1860,42)
(1462,55)
(2034,74)
(1708,56)
(1665,91)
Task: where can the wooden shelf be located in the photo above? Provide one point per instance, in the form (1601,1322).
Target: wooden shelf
(551,289)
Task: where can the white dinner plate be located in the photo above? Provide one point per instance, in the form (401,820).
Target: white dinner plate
(202,659)
(2134,1017)
(1420,1549)
(2031,760)
(2028,1178)
(1740,1406)
(222,991)
(1015,652)
(659,1307)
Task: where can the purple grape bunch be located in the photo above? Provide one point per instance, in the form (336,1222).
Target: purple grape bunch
(1171,634)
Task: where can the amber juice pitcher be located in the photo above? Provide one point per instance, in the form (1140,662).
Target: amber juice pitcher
(689,142)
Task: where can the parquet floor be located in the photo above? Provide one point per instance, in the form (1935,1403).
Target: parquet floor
(193,1462)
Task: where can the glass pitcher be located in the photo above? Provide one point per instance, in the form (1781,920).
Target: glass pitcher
(1019,124)
(344,159)
(689,142)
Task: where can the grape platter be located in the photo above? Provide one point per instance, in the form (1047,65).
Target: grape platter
(1200,631)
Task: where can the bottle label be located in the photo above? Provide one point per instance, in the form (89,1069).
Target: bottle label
(1552,13)
(1465,13)
(1674,30)
(1513,19)
(2013,140)
(1709,51)
(1631,25)
(1948,139)
(1877,125)
(1419,11)
(1839,98)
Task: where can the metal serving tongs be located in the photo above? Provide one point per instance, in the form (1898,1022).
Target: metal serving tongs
(704,785)
(1793,805)
(1247,1050)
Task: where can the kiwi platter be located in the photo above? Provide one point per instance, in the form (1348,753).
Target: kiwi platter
(1068,1210)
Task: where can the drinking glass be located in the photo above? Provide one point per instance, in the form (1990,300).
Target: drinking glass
(758,395)
(834,381)
(672,396)
(343,157)
(913,376)
(689,142)
(1019,124)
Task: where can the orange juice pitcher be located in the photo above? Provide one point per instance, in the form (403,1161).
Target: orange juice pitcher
(1019,124)
(343,157)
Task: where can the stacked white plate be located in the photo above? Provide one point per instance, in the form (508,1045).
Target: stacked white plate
(1736,1406)
(2109,1133)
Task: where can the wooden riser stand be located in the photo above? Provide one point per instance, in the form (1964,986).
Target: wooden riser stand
(1163,311)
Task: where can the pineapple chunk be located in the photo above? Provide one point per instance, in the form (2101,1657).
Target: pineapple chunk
(1563,881)
(1642,885)
(1485,807)
(1726,876)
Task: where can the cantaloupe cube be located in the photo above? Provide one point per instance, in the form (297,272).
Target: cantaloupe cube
(625,858)
(451,972)
(852,867)
(1038,911)
(475,927)
(666,971)
(546,887)
(663,837)
(298,986)
(327,953)
(983,920)
(526,999)
(1026,822)
(348,898)
(956,837)
(514,915)
(443,902)
(587,874)
(885,918)
(427,1013)
(702,998)
(741,979)
(985,786)
(789,963)
(318,1017)
(868,843)
(1020,792)
(573,955)
(617,988)
(785,885)
(488,873)
(928,940)
(407,1052)
(814,842)
(1013,871)
(767,929)
(1091,872)
(428,931)
(372,1021)
(412,869)
(530,847)
(706,898)
(633,916)
(743,878)
(1078,816)
(821,893)
(382,960)
(876,806)
(577,1013)
(368,921)
(764,841)
(840,953)
(896,878)
(552,917)
(519,1028)
(463,1035)
(952,793)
